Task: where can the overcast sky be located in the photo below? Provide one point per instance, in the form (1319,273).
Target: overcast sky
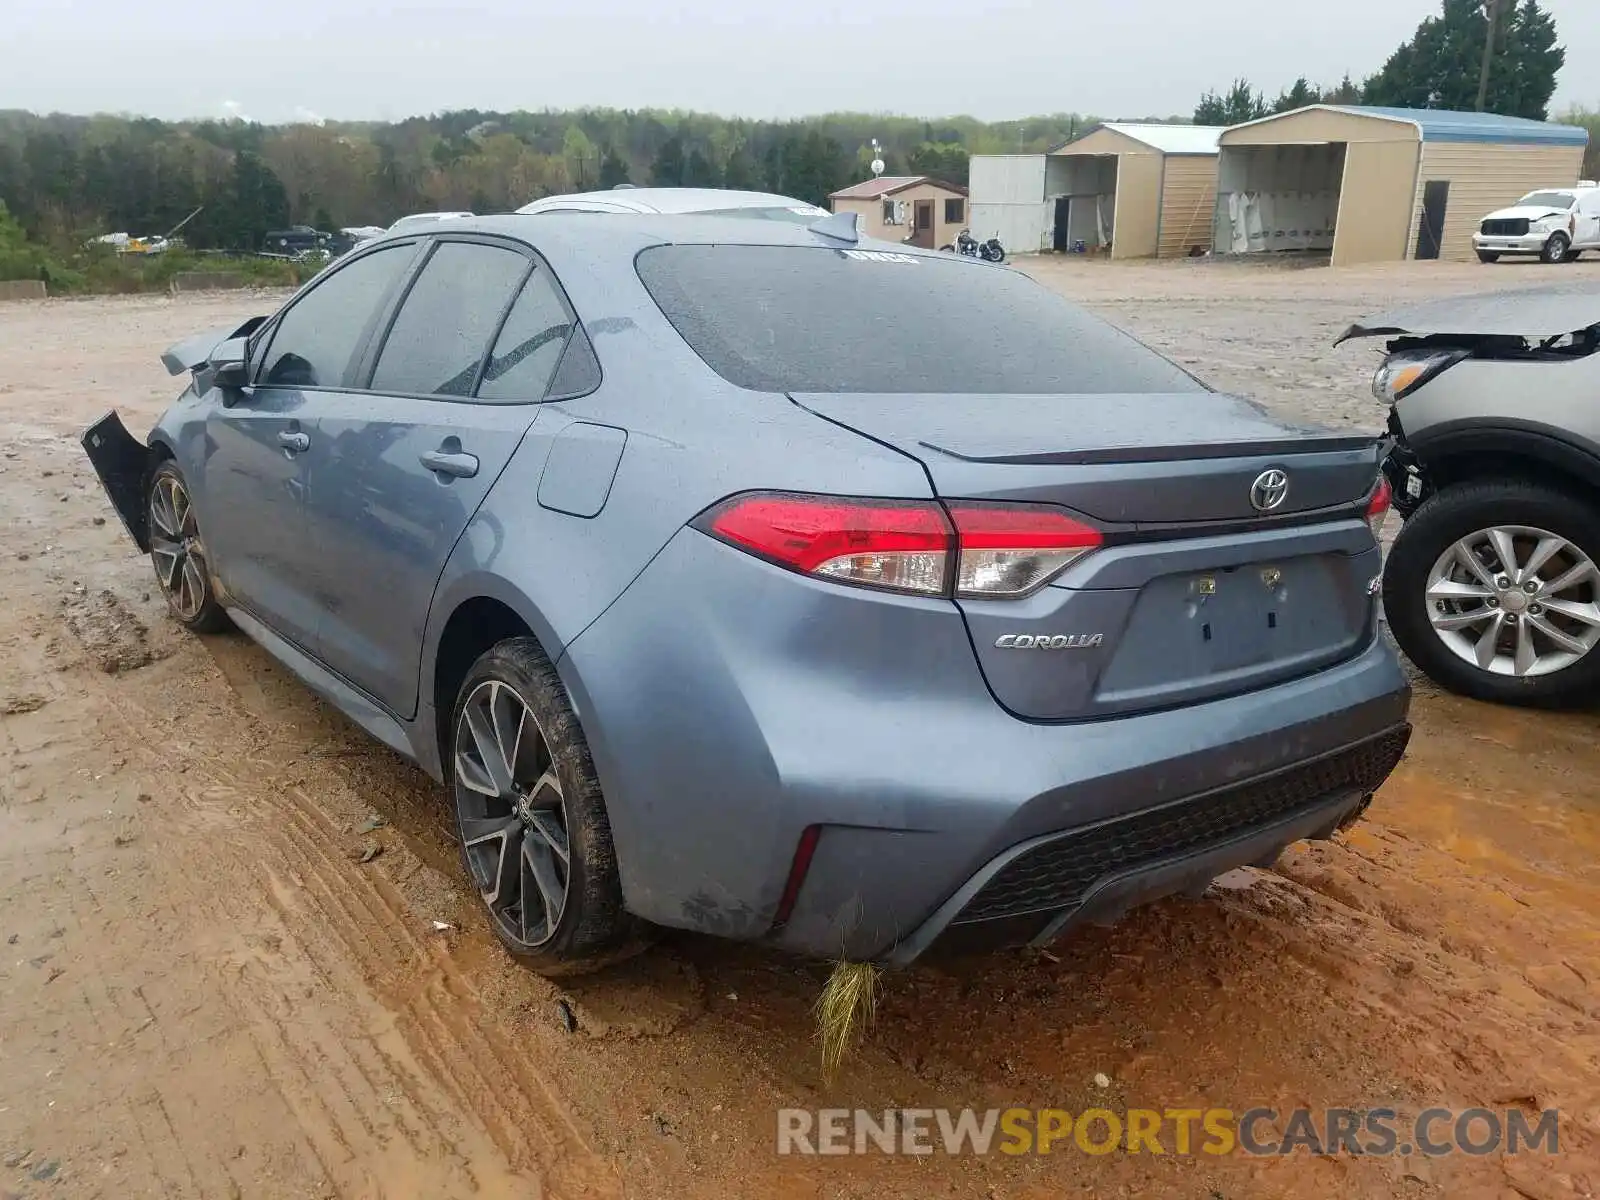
(387,59)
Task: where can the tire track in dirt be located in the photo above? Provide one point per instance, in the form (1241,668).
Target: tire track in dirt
(429,1055)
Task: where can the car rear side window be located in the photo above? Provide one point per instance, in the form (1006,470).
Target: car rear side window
(317,337)
(798,319)
(437,342)
(530,344)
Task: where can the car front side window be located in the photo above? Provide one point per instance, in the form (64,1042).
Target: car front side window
(316,340)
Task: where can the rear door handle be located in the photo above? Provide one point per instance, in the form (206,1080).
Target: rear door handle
(462,466)
(295,442)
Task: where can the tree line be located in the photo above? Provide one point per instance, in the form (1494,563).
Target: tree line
(68,177)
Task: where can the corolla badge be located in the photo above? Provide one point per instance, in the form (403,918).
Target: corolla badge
(1270,489)
(1046,641)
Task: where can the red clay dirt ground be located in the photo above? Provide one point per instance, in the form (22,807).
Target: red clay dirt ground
(207,993)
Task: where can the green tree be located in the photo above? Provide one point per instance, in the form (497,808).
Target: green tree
(669,166)
(1588,118)
(1300,94)
(19,258)
(700,171)
(613,169)
(946,161)
(1241,103)
(740,171)
(1347,92)
(582,159)
(1439,67)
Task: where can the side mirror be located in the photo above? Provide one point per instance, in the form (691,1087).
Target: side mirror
(226,367)
(230,375)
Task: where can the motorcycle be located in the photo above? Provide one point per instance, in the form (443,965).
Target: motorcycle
(990,251)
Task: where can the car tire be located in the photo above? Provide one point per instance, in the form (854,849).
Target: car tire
(1556,248)
(1488,256)
(541,846)
(1441,627)
(178,553)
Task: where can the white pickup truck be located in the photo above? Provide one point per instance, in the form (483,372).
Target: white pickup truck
(1555,224)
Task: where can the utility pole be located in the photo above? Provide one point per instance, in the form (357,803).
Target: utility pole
(1491,10)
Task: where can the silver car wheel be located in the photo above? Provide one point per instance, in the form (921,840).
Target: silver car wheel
(1515,600)
(512,814)
(175,548)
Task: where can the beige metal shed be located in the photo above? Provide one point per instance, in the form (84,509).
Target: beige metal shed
(1380,184)
(1143,189)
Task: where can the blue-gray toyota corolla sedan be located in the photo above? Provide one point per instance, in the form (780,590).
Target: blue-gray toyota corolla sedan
(765,581)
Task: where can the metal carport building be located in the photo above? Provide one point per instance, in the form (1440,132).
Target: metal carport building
(1145,188)
(1380,184)
(1141,188)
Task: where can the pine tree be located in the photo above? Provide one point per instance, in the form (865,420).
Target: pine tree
(1298,96)
(613,170)
(1439,66)
(669,166)
(1242,103)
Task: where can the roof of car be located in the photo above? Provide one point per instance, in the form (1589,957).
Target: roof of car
(628,233)
(667,200)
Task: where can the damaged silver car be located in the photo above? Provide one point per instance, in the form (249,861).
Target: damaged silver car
(1491,586)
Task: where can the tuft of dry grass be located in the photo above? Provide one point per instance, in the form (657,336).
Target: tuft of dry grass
(845,1011)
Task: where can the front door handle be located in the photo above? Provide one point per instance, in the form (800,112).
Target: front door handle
(295,442)
(462,466)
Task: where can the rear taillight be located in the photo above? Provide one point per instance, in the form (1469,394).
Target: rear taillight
(1378,506)
(901,545)
(1009,550)
(975,551)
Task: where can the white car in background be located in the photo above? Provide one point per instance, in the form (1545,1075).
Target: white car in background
(425,218)
(721,202)
(1554,224)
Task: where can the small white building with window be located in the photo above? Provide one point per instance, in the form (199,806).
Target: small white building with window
(906,208)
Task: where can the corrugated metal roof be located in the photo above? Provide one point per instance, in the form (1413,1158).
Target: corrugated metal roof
(1445,125)
(1169,139)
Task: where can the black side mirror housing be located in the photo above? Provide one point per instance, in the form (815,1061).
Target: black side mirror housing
(227,367)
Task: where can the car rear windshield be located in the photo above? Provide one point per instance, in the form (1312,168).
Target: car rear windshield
(1548,199)
(802,319)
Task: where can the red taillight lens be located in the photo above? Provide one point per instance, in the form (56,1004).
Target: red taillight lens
(902,545)
(1008,550)
(979,551)
(1378,506)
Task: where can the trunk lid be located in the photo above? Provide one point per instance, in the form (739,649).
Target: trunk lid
(1198,592)
(1175,459)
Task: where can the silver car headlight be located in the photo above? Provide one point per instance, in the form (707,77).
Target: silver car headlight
(1406,370)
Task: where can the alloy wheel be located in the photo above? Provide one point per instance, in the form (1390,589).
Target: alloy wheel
(512,814)
(176,549)
(1515,600)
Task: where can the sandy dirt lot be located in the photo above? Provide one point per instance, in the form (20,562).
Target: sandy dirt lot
(213,988)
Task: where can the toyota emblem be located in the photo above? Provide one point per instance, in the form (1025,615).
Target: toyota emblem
(1270,490)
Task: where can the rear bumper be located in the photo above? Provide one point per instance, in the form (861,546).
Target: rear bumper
(1035,892)
(730,705)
